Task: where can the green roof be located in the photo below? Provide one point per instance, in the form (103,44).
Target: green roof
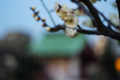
(59,45)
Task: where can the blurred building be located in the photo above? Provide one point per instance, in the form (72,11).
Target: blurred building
(56,57)
(15,61)
(65,58)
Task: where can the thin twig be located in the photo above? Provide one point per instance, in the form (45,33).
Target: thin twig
(55,29)
(38,16)
(48,12)
(109,22)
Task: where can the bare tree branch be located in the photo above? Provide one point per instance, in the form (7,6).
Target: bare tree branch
(118,5)
(94,12)
(81,6)
(57,28)
(112,35)
(102,29)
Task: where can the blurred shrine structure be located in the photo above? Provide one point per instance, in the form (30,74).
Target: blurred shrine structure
(65,58)
(56,57)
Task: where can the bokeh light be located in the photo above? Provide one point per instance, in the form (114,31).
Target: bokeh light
(117,64)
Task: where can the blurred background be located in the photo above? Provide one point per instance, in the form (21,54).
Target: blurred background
(29,52)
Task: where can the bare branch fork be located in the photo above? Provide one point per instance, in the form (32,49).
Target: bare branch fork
(93,14)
